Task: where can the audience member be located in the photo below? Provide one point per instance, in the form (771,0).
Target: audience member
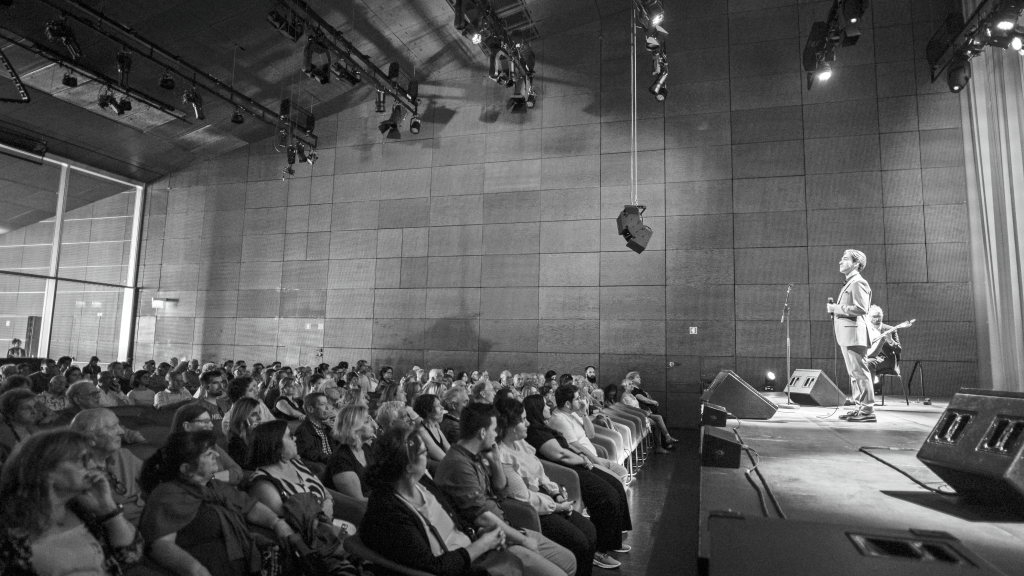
(527,482)
(483,392)
(244,387)
(661,435)
(410,521)
(211,392)
(279,472)
(58,514)
(110,390)
(353,431)
(245,416)
(288,405)
(175,395)
(41,379)
(195,525)
(428,408)
(393,413)
(196,417)
(455,399)
(15,351)
(470,475)
(313,436)
(72,374)
(122,467)
(571,419)
(140,393)
(603,493)
(92,369)
(18,417)
(16,381)
(54,396)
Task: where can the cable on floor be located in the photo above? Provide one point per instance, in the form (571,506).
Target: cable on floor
(767,489)
(866,450)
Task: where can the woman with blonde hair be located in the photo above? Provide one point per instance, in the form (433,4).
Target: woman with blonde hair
(245,416)
(353,429)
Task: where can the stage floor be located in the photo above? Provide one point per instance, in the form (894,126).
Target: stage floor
(816,471)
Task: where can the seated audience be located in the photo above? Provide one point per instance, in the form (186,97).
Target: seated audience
(174,396)
(506,393)
(72,374)
(18,417)
(279,472)
(472,486)
(112,394)
(482,391)
(122,467)
(528,483)
(603,493)
(197,526)
(313,436)
(662,437)
(289,403)
(244,387)
(140,393)
(571,419)
(40,380)
(410,521)
(455,399)
(434,384)
(391,414)
(211,391)
(58,514)
(92,368)
(391,390)
(428,408)
(195,417)
(245,416)
(353,430)
(15,381)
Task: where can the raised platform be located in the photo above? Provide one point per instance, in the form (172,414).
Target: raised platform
(813,465)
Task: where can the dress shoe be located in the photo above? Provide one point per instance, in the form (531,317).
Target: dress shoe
(863,417)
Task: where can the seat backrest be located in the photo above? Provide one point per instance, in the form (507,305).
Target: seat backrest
(355,546)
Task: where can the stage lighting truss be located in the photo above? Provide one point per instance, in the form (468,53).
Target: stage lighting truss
(328,52)
(841,29)
(649,16)
(511,60)
(953,46)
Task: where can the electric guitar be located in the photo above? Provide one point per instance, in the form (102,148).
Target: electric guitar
(876,341)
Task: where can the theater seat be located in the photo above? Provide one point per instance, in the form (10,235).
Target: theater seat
(355,547)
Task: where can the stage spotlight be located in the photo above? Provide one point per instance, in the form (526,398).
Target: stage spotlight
(531,100)
(655,11)
(124,65)
(69,80)
(352,76)
(390,126)
(393,71)
(632,227)
(379,104)
(500,68)
(290,155)
(1006,24)
(106,100)
(167,81)
(769,381)
(236,116)
(125,103)
(193,98)
(659,89)
(1016,43)
(958,74)
(413,92)
(655,38)
(414,124)
(825,72)
(57,30)
(853,10)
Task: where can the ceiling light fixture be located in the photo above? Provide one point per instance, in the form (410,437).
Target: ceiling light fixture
(236,116)
(193,98)
(958,40)
(167,81)
(839,30)
(69,80)
(380,105)
(390,126)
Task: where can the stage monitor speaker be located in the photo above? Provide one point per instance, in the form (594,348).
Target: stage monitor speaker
(732,393)
(719,448)
(814,388)
(834,549)
(713,415)
(977,447)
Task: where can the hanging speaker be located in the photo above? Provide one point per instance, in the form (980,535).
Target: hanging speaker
(814,388)
(732,393)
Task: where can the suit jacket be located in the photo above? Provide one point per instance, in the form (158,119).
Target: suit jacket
(854,300)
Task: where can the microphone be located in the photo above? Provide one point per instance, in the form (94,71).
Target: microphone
(831,301)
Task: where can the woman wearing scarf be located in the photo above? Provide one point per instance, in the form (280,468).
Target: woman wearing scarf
(193,524)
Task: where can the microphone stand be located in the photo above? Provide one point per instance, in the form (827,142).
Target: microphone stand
(785,320)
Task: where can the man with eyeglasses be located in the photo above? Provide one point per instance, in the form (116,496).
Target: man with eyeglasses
(84,395)
(121,466)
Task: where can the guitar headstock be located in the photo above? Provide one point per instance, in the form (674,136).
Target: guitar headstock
(906,324)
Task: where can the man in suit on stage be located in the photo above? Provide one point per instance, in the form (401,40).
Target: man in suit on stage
(883,357)
(849,314)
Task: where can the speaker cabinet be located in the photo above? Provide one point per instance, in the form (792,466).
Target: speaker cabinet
(713,415)
(719,448)
(977,446)
(741,546)
(814,388)
(732,393)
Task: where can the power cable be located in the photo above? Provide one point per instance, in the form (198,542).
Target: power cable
(865,449)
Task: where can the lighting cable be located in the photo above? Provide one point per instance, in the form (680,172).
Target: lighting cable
(867,449)
(634,168)
(751,453)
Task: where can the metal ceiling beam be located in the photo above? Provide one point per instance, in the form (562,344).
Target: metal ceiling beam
(152,51)
(344,49)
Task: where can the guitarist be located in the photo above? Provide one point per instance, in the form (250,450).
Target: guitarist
(884,354)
